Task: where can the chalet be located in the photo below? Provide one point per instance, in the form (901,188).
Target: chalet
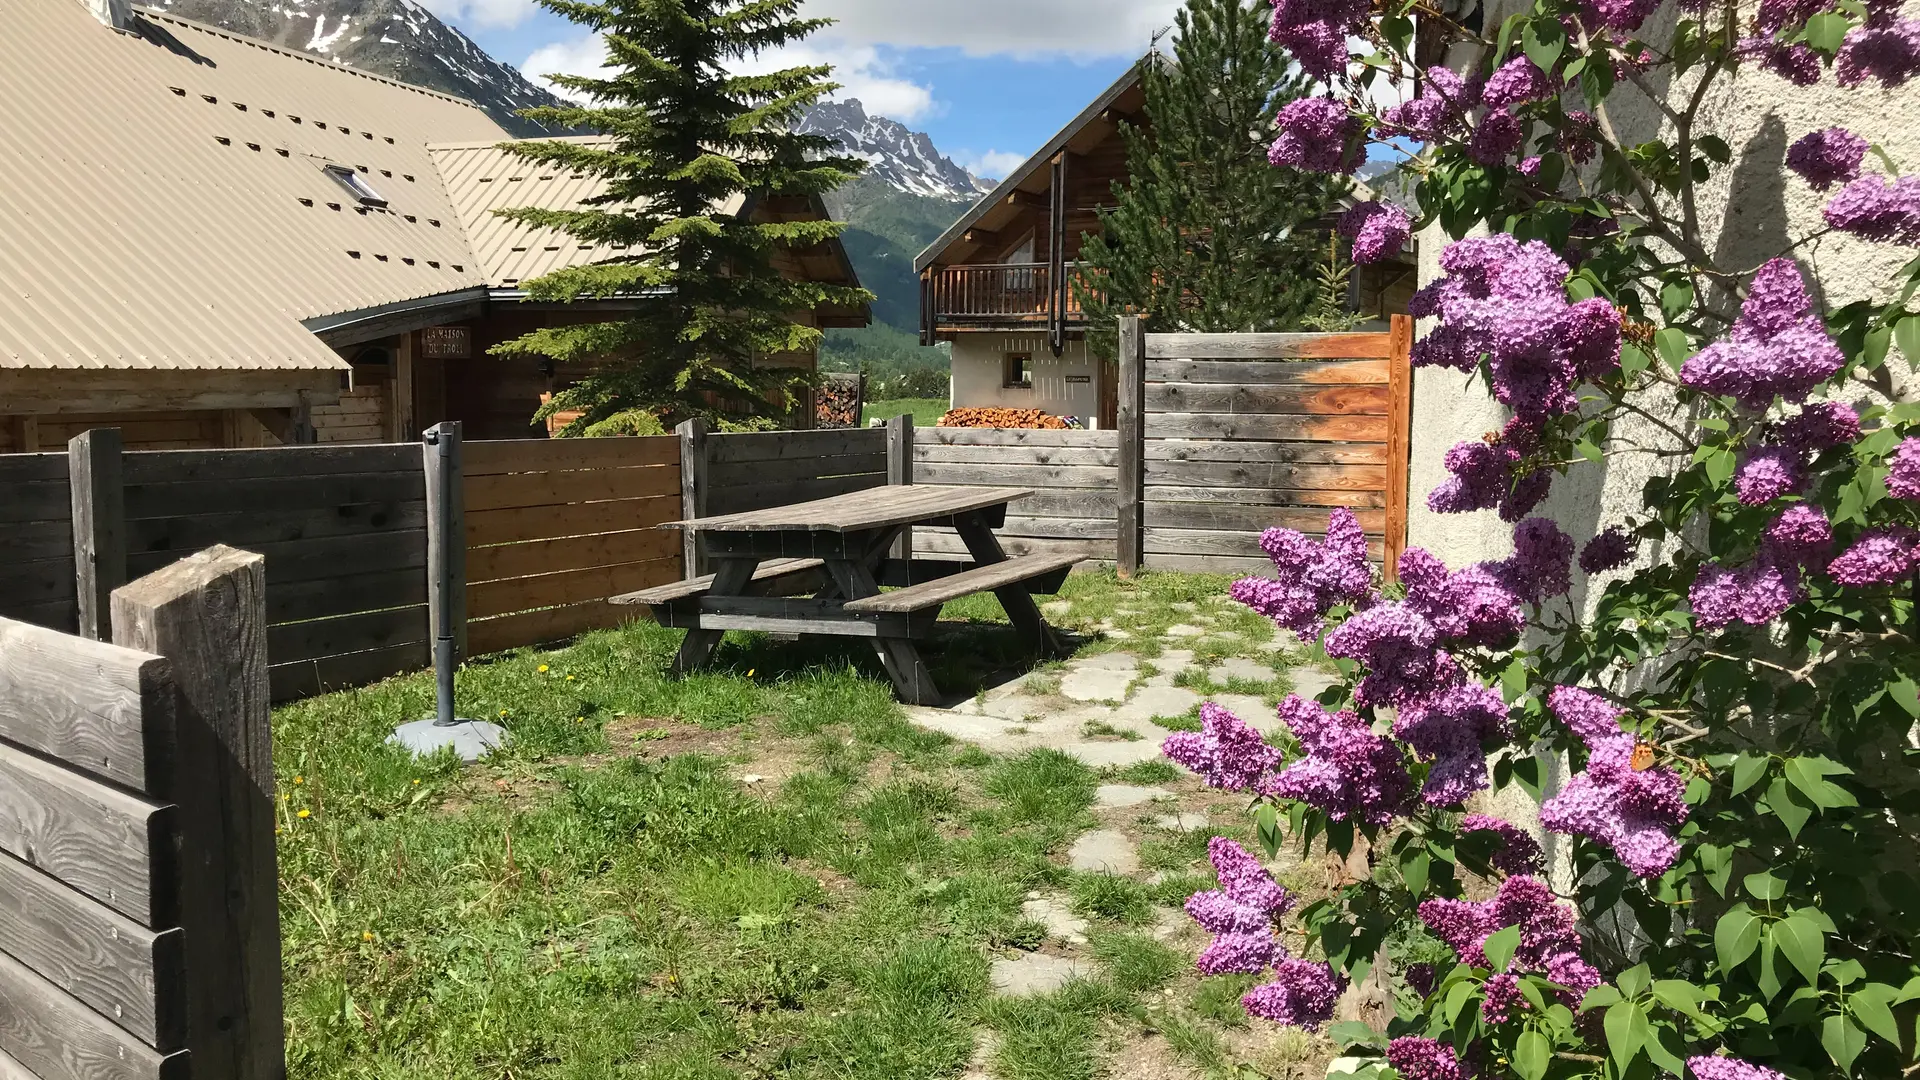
(209,241)
(998,283)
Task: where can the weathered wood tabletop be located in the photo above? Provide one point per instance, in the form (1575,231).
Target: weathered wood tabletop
(833,550)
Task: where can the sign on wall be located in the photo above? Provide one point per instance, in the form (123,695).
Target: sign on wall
(446,342)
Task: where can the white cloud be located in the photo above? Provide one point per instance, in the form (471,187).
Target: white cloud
(992,165)
(1026,28)
(503,14)
(863,71)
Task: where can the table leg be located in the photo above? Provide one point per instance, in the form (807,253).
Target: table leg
(1025,614)
(911,679)
(730,578)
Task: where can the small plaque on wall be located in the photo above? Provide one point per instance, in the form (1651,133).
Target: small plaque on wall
(1076,380)
(446,342)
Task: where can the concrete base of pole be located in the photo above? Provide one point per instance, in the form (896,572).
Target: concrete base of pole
(471,739)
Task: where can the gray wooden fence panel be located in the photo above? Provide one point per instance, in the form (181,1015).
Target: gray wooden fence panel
(98,839)
(36,541)
(762,469)
(1074,476)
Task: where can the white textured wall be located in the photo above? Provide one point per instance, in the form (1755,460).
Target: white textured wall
(978,360)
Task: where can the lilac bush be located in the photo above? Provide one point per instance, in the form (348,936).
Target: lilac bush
(1714,717)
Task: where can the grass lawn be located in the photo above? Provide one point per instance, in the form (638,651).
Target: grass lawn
(926,411)
(759,871)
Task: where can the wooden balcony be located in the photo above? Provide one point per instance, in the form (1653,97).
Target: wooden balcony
(998,296)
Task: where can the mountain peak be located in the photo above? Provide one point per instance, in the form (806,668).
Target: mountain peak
(904,158)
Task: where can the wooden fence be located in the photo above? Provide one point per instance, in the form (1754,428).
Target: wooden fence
(555,528)
(36,541)
(139,921)
(1245,432)
(1074,475)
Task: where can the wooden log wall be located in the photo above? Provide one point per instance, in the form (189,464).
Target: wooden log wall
(554,528)
(756,470)
(343,529)
(36,541)
(1245,432)
(1074,476)
(92,959)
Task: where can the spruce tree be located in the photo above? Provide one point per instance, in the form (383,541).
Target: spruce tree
(1206,235)
(687,139)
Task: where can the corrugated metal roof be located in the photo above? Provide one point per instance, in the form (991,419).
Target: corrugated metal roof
(482,178)
(163,201)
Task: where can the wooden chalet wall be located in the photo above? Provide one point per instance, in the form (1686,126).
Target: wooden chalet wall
(1074,475)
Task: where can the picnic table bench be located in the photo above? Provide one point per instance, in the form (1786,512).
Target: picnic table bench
(814,568)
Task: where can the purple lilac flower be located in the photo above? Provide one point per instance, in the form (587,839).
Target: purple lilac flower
(1591,331)
(1519,80)
(1396,646)
(1777,15)
(1624,15)
(1439,110)
(1348,771)
(1575,137)
(1449,727)
(1302,994)
(1469,607)
(1227,751)
(1875,210)
(1530,166)
(1548,939)
(1316,32)
(1421,978)
(1778,345)
(1518,852)
(1824,158)
(1903,478)
(1480,476)
(1884,49)
(1726,1068)
(1500,997)
(1633,811)
(1609,550)
(1819,426)
(1498,135)
(1314,135)
(1571,971)
(1880,556)
(1240,914)
(1311,577)
(1539,567)
(1800,536)
(1379,230)
(1797,63)
(1415,1058)
(1768,473)
(1755,594)
(1238,953)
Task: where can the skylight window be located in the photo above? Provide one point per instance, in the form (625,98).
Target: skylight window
(356,185)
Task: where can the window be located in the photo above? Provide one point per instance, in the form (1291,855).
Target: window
(1018,373)
(356,185)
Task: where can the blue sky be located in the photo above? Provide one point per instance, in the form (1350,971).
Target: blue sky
(990,80)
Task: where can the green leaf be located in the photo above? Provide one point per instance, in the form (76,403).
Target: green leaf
(1720,465)
(1500,946)
(1634,981)
(1715,147)
(1633,360)
(1906,334)
(1578,289)
(1414,869)
(1736,934)
(1791,814)
(1679,995)
(1805,774)
(1267,819)
(1544,41)
(1826,32)
(1802,943)
(1870,1006)
(1716,865)
(1526,772)
(1627,1031)
(1531,1054)
(1747,771)
(1906,693)
(1673,346)
(1354,1033)
(1873,351)
(1676,299)
(1513,680)
(1599,997)
(1457,999)
(1589,451)
(1764,885)
(1843,1041)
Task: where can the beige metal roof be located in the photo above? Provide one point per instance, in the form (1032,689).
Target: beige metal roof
(163,202)
(481,178)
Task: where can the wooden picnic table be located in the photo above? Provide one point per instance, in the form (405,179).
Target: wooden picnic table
(836,549)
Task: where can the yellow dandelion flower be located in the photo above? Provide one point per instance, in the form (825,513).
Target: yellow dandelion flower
(306,813)
(366,935)
(416,783)
(750,673)
(299,779)
(277,830)
(542,669)
(503,712)
(569,678)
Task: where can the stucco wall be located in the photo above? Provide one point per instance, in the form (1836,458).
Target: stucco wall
(1750,211)
(978,370)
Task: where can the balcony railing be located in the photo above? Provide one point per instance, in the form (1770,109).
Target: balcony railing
(999,294)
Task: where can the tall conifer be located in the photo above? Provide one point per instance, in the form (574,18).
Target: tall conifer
(1205,235)
(689,140)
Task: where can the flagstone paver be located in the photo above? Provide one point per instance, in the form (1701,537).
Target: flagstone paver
(1111,795)
(1105,851)
(1037,973)
(1055,912)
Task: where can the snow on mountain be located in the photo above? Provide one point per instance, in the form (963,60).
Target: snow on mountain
(395,38)
(905,159)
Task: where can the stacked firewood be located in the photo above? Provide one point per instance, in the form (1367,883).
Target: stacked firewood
(840,400)
(1006,418)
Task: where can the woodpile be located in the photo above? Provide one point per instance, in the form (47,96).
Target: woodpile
(840,401)
(1002,418)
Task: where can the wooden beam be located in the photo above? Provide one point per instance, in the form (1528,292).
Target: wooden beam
(1027,200)
(25,431)
(53,392)
(99,525)
(1120,116)
(1399,442)
(401,400)
(1129,418)
(981,236)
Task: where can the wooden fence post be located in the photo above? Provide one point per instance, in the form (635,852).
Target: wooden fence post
(99,525)
(1399,441)
(207,615)
(1130,420)
(442,457)
(693,491)
(900,471)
